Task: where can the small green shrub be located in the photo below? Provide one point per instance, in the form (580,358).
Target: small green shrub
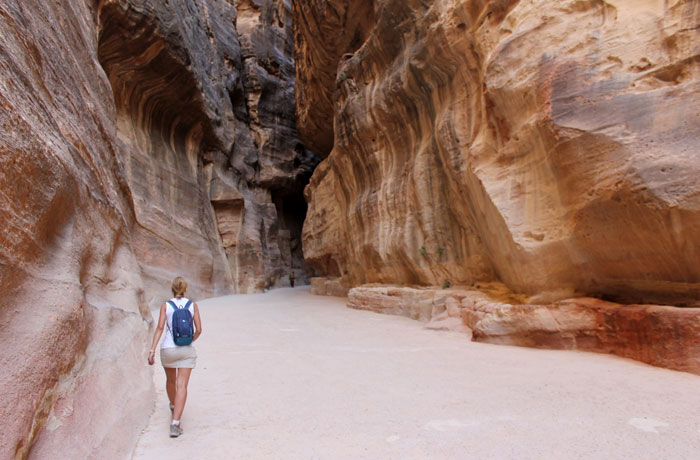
(341,77)
(446,285)
(440,250)
(422,250)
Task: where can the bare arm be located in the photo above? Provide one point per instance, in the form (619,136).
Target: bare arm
(157,333)
(197,323)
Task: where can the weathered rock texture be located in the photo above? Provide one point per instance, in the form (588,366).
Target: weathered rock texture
(139,141)
(342,26)
(663,336)
(170,90)
(278,165)
(546,144)
(330,287)
(207,116)
(74,319)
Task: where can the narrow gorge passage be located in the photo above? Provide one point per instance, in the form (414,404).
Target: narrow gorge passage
(290,375)
(523,169)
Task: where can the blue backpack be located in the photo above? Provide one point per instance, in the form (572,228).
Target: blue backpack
(183,330)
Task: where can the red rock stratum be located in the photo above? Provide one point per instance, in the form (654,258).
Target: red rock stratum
(140,140)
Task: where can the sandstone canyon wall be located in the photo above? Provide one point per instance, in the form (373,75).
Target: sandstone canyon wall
(546,145)
(141,140)
(74,297)
(279,165)
(207,115)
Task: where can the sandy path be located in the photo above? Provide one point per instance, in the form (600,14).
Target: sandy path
(288,375)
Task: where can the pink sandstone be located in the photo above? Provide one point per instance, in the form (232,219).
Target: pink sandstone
(663,336)
(140,140)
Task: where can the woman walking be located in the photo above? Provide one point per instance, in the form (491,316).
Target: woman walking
(178,360)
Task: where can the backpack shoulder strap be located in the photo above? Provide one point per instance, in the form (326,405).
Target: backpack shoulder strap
(187,305)
(172,304)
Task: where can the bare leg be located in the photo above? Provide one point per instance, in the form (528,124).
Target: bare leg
(171,376)
(183,378)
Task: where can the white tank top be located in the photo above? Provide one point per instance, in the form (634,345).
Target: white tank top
(168,339)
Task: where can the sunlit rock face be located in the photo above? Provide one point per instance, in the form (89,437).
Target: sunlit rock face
(549,145)
(139,142)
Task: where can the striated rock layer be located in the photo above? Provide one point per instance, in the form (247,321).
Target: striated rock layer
(548,145)
(74,300)
(276,166)
(141,140)
(214,164)
(663,336)
(342,26)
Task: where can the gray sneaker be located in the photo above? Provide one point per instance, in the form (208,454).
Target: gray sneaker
(175,431)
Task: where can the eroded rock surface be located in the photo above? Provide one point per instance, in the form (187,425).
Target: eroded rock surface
(141,140)
(549,145)
(342,26)
(171,90)
(664,336)
(74,296)
(207,116)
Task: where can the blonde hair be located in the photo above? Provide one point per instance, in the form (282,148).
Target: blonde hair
(179,287)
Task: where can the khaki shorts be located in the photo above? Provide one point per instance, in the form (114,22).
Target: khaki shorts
(178,357)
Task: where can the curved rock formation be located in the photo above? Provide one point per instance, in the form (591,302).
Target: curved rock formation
(141,140)
(276,165)
(214,164)
(74,298)
(170,90)
(545,144)
(342,27)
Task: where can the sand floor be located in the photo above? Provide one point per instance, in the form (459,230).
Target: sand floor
(289,375)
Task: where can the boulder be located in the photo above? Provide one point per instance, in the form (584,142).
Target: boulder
(662,336)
